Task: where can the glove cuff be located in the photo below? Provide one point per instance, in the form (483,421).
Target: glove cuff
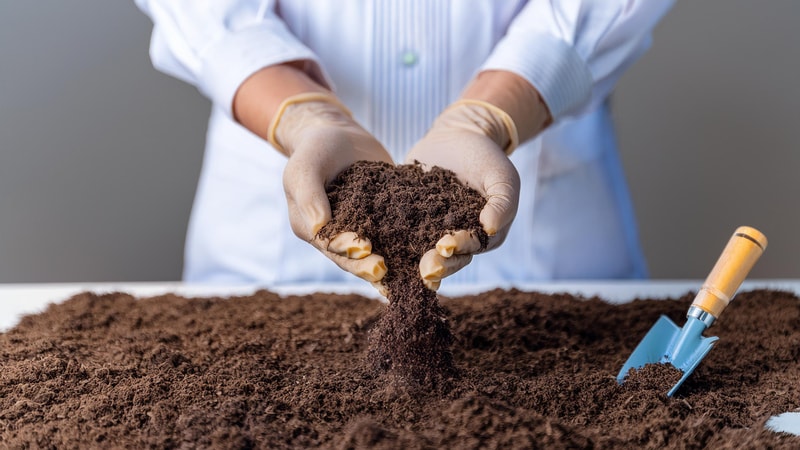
(305,97)
(497,113)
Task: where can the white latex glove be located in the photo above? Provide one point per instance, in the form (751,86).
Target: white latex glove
(321,140)
(471,138)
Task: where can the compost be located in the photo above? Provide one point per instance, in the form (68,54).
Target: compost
(404,210)
(504,369)
(262,371)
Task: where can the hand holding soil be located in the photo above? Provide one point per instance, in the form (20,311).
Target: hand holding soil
(321,139)
(404,211)
(473,142)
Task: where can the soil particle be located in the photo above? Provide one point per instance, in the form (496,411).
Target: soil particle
(536,371)
(404,210)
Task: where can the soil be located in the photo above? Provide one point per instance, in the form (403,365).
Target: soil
(652,376)
(535,371)
(404,210)
(505,369)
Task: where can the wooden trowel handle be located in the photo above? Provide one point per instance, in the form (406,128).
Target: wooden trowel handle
(743,250)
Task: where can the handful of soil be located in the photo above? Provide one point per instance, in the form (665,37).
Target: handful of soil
(404,210)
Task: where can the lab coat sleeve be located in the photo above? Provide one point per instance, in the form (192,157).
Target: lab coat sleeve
(574,51)
(216,44)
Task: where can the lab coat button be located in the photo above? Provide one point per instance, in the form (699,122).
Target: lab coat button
(410,58)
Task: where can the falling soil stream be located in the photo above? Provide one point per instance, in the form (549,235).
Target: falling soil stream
(404,210)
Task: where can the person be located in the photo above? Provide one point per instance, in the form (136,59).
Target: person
(512,96)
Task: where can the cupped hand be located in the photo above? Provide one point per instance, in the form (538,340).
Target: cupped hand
(470,139)
(322,140)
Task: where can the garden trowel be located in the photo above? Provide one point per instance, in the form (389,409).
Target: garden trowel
(684,348)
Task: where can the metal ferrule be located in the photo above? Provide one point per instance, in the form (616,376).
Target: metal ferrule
(701,315)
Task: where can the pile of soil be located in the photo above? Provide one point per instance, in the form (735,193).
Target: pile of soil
(404,210)
(535,371)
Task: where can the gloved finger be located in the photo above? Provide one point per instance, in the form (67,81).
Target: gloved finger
(461,242)
(350,245)
(371,268)
(502,199)
(433,267)
(309,208)
(300,227)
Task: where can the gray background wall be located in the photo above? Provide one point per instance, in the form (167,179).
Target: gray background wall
(99,153)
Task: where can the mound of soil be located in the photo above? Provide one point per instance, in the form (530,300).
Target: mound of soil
(536,371)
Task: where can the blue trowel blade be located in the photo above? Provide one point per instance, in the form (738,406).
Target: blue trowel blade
(666,343)
(652,348)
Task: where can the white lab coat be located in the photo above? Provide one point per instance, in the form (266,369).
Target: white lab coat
(397,64)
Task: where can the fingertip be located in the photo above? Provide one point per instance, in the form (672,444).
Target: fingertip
(447,245)
(372,268)
(502,200)
(466,242)
(431,266)
(317,215)
(490,220)
(350,245)
(314,205)
(317,226)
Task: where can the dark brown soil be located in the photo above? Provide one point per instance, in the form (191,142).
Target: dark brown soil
(404,211)
(537,371)
(652,377)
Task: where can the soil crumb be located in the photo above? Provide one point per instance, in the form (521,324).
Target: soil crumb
(404,210)
(261,371)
